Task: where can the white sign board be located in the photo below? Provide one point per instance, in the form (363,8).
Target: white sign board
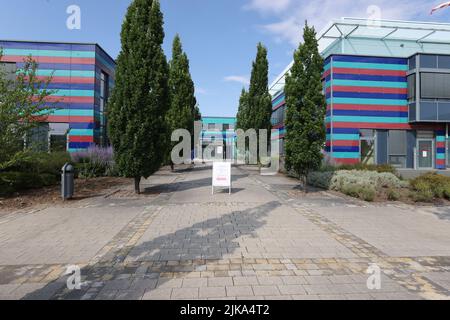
(221,176)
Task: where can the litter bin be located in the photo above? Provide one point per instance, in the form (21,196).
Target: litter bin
(67,181)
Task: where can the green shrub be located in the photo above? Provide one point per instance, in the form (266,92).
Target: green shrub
(13,181)
(393,194)
(431,183)
(380,168)
(36,162)
(422,192)
(320,179)
(366,193)
(362,184)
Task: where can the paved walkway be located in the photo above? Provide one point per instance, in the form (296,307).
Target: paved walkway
(265,241)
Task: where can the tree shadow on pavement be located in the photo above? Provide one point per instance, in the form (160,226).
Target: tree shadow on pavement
(129,271)
(185,185)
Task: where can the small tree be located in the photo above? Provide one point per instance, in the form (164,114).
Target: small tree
(23,105)
(139,100)
(259,102)
(183,109)
(306,106)
(241,121)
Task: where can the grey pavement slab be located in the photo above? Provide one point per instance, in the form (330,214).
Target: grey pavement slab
(395,231)
(61,235)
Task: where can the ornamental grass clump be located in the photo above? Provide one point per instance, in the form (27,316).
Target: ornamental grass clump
(362,184)
(429,186)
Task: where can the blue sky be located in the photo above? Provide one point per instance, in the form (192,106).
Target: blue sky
(220,36)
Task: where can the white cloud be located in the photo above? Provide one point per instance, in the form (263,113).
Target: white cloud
(239,79)
(268,6)
(290,22)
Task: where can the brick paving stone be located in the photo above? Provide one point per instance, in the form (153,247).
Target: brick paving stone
(240,291)
(292,289)
(266,290)
(245,281)
(220,282)
(212,292)
(158,294)
(185,293)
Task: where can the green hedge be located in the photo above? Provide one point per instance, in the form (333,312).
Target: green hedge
(29,170)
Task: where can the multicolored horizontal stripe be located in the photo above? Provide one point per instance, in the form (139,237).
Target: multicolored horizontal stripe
(75,71)
(363,93)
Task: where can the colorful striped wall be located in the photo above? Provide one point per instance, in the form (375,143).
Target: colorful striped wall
(440,149)
(362,92)
(278,102)
(76,70)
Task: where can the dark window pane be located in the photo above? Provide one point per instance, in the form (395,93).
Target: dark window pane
(412,86)
(435,85)
(412,63)
(428,110)
(412,112)
(444,62)
(397,161)
(368,151)
(428,61)
(444,110)
(58,143)
(397,142)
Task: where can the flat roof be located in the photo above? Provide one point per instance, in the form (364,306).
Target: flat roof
(381,30)
(61,42)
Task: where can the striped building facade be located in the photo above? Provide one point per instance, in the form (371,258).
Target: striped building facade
(82,76)
(387,94)
(219,131)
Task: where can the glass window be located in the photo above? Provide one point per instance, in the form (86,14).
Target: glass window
(226,127)
(211,126)
(37,139)
(412,63)
(412,112)
(397,148)
(444,62)
(435,85)
(58,143)
(368,151)
(444,110)
(428,110)
(397,142)
(412,87)
(428,61)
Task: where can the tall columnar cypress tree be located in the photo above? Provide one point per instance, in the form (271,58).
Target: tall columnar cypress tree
(140,97)
(241,121)
(182,111)
(259,100)
(306,107)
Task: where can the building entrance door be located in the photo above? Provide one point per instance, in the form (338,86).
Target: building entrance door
(425,153)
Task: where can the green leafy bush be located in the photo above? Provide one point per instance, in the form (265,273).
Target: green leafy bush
(430,185)
(36,162)
(13,181)
(29,170)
